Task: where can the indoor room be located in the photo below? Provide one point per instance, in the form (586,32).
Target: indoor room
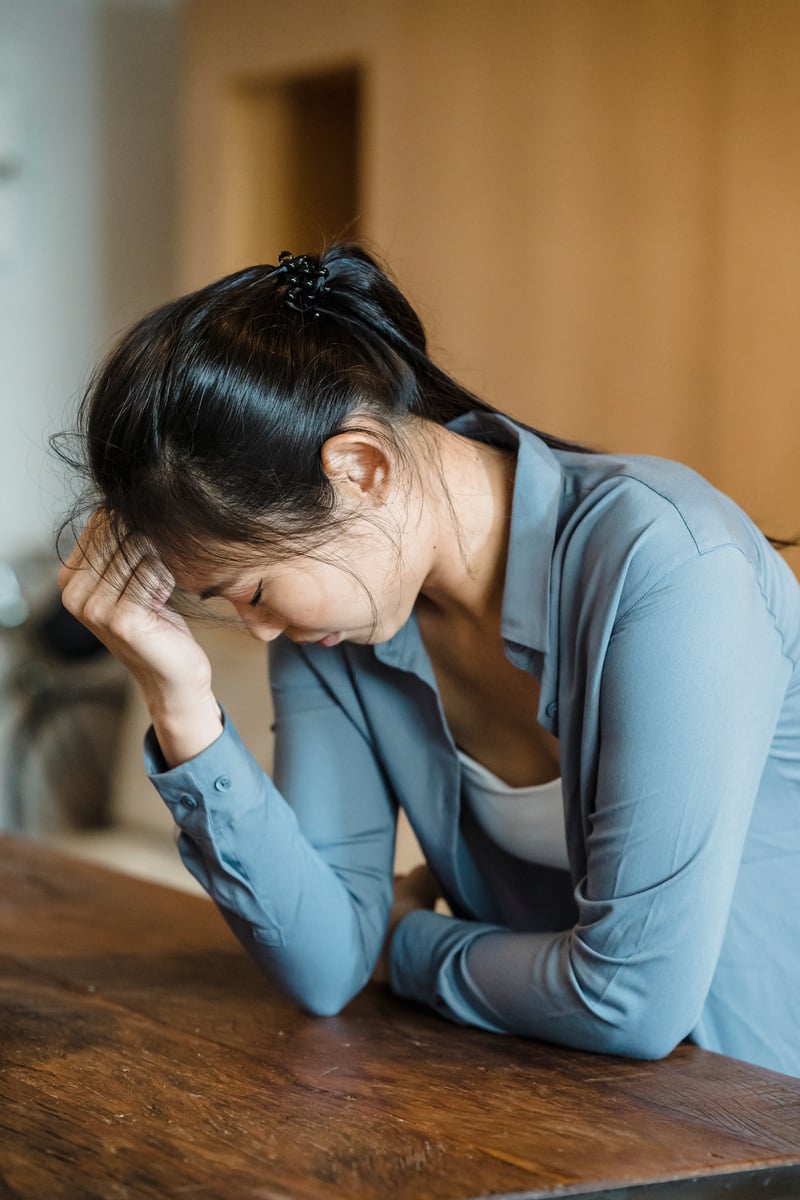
(452,770)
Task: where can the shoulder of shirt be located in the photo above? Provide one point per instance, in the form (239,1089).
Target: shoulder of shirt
(634,491)
(638,518)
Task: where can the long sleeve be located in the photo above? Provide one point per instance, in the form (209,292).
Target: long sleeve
(301,867)
(690,692)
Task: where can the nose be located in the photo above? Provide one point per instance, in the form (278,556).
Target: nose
(261,625)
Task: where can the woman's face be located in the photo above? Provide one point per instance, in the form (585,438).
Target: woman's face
(360,587)
(362,584)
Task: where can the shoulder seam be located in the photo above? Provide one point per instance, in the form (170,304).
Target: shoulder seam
(705,554)
(668,500)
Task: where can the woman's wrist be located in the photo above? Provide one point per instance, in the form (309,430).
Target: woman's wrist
(185,724)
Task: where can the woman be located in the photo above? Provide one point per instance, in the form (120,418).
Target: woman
(578,675)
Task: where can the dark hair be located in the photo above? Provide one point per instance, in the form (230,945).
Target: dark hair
(206,421)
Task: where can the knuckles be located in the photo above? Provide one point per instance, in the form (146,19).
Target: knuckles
(94,612)
(120,626)
(96,588)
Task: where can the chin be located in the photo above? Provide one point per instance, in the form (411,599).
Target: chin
(383,632)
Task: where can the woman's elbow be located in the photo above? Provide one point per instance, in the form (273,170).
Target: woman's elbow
(638,1013)
(320,984)
(324,1004)
(641,1030)
(323,997)
(646,1043)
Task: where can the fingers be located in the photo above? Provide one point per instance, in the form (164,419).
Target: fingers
(418,889)
(104,577)
(96,569)
(419,886)
(119,589)
(93,545)
(95,557)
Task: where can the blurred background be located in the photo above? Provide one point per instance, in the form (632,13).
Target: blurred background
(594,204)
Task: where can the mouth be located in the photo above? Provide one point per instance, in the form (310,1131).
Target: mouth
(330,639)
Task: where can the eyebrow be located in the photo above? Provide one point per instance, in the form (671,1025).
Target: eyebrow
(219,588)
(216,590)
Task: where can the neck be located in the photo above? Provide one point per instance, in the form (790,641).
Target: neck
(469,528)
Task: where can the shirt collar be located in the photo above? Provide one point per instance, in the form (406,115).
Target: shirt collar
(535,508)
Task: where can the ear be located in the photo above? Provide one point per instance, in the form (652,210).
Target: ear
(358,465)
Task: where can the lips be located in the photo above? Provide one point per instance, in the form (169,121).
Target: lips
(330,639)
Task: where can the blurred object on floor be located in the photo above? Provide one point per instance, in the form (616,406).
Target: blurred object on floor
(13,608)
(65,696)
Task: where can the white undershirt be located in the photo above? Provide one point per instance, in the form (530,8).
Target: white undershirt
(526,821)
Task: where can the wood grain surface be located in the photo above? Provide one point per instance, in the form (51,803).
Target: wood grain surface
(142,1055)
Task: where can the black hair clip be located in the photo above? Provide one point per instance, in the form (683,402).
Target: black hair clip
(305,280)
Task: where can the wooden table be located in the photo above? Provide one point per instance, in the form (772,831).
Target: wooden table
(143,1056)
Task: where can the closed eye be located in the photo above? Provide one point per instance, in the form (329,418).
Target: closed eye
(257,595)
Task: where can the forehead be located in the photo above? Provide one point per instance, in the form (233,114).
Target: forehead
(221,568)
(237,572)
(216,570)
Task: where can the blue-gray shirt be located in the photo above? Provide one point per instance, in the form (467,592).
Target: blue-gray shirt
(665,632)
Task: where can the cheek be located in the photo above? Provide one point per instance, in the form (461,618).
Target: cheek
(308,598)
(330,596)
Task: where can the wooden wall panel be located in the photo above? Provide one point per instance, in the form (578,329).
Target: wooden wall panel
(565,209)
(594,203)
(756,331)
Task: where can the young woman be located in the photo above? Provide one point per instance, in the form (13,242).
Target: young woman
(576,673)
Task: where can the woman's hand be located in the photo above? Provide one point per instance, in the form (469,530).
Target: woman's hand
(122,597)
(418,889)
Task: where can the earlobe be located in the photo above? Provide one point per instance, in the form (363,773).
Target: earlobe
(358,463)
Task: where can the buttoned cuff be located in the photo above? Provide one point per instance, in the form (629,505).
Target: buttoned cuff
(428,963)
(207,791)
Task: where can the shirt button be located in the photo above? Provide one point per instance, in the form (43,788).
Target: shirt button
(189,801)
(552,708)
(223,783)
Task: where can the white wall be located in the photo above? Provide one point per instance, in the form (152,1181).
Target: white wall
(88,94)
